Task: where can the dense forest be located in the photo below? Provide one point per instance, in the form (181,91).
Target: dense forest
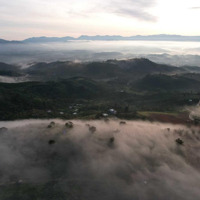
(90,90)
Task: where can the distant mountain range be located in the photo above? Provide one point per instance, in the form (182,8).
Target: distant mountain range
(8,41)
(161,37)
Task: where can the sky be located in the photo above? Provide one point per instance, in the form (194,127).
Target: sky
(20,19)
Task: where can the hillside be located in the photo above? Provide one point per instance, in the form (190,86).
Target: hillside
(167,83)
(125,69)
(128,86)
(2,41)
(9,70)
(42,96)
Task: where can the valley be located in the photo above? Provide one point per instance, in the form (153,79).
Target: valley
(88,90)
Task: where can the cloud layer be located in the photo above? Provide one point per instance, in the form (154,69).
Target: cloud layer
(136,9)
(136,160)
(26,17)
(20,19)
(44,9)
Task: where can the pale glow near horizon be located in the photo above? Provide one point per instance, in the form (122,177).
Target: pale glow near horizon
(21,19)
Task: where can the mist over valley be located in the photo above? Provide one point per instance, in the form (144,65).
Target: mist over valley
(168,52)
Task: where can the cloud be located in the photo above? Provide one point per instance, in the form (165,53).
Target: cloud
(64,8)
(25,16)
(138,160)
(141,15)
(195,8)
(137,9)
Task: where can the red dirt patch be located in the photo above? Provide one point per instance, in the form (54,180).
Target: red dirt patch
(181,118)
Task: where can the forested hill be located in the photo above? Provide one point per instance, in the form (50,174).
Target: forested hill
(87,90)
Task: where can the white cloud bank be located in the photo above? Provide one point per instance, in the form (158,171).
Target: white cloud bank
(136,160)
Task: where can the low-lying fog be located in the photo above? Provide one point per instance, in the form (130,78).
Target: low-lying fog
(7,79)
(103,159)
(176,53)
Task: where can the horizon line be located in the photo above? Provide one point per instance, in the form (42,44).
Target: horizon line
(138,35)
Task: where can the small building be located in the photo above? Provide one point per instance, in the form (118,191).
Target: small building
(105,115)
(112,111)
